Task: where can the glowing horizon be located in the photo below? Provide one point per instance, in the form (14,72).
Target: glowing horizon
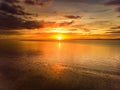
(75,19)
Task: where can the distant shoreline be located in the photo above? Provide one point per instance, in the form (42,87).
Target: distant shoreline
(68,40)
(57,40)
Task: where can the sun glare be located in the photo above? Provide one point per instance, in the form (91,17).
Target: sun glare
(59,37)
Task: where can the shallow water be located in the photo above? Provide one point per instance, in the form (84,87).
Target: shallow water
(56,65)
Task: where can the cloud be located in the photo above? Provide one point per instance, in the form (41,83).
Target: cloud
(16,6)
(104,10)
(37,2)
(72,17)
(9,22)
(118,9)
(11,1)
(114,2)
(82,1)
(54,24)
(66,23)
(12,9)
(74,29)
(114,32)
(81,27)
(117,27)
(9,32)
(13,14)
(30,2)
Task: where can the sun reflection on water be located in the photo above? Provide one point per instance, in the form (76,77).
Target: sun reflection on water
(59,45)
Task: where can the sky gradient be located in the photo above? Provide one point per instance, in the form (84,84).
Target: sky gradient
(72,19)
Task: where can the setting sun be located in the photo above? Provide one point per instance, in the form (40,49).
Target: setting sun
(59,37)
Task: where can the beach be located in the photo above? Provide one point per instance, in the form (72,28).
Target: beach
(73,65)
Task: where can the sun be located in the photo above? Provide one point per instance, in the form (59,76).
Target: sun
(59,37)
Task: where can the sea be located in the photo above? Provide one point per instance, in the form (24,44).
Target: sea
(60,65)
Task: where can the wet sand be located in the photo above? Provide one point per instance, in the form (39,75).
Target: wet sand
(25,67)
(44,76)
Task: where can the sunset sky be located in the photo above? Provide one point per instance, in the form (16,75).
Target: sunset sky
(67,19)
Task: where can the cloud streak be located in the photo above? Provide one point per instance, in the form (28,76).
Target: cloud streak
(117,27)
(82,1)
(72,17)
(114,3)
(9,22)
(30,2)
(114,32)
(55,24)
(9,32)
(13,9)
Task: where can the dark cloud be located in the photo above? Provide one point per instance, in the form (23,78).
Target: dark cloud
(117,27)
(114,32)
(9,32)
(30,2)
(12,9)
(66,23)
(82,1)
(9,22)
(11,1)
(9,6)
(37,2)
(72,17)
(114,2)
(118,9)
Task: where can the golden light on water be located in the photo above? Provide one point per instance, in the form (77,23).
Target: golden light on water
(59,45)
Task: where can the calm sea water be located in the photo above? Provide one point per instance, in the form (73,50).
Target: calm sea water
(56,65)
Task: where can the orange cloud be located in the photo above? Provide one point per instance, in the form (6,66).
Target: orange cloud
(55,24)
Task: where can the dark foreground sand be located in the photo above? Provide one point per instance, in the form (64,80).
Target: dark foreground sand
(43,76)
